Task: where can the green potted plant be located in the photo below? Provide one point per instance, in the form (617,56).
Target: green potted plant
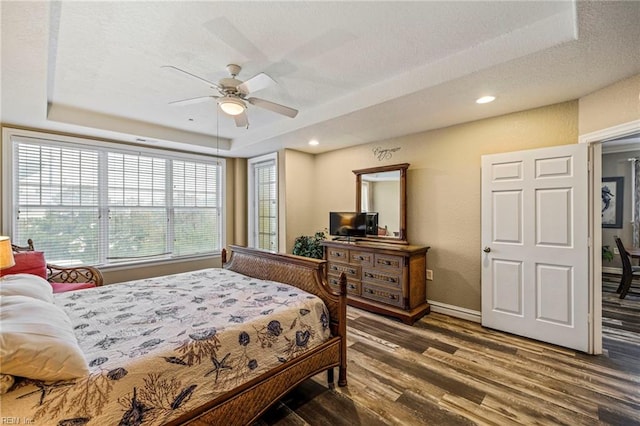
(607,253)
(310,245)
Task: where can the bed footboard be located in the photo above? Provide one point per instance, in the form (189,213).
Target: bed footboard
(248,402)
(244,405)
(302,272)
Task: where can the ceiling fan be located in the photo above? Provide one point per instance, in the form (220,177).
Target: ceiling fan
(233,94)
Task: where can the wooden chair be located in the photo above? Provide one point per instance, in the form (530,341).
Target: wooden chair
(61,275)
(628,270)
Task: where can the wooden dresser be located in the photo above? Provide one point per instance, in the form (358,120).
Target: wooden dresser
(382,278)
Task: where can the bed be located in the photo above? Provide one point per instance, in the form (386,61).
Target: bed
(182,349)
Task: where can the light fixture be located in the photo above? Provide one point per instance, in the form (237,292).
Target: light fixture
(485,99)
(231,105)
(314,142)
(6,253)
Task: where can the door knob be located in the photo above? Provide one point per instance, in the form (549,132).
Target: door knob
(487,249)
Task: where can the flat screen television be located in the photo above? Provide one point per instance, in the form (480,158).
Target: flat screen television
(348,224)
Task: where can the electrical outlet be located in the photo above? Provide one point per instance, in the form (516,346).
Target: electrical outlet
(429,275)
(616,251)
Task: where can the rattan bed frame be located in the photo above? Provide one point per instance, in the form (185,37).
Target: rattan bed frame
(245,404)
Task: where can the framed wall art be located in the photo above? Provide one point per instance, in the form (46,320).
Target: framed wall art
(612,198)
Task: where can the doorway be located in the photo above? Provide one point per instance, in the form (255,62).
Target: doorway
(598,140)
(620,317)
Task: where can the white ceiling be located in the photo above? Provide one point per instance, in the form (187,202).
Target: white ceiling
(357,71)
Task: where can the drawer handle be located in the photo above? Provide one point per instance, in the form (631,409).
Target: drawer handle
(334,268)
(384,278)
(352,287)
(389,295)
(337,254)
(352,271)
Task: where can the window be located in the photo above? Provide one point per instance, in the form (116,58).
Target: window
(263,202)
(101,204)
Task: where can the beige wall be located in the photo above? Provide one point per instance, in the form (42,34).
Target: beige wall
(443,182)
(237,202)
(615,104)
(140,272)
(297,197)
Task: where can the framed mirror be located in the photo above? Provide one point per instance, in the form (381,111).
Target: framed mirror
(382,193)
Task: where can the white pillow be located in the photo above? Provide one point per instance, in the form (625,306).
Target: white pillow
(37,341)
(26,285)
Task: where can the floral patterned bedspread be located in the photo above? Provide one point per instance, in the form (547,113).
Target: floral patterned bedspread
(160,347)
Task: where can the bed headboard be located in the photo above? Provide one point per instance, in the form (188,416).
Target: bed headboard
(302,272)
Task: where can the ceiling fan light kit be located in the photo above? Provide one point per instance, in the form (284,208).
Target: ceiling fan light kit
(231,105)
(234,94)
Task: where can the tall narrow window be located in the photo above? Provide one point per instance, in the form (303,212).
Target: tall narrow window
(263,202)
(84,202)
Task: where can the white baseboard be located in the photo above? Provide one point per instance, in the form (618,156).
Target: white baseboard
(455,311)
(612,270)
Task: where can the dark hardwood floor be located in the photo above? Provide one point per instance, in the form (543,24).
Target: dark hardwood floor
(447,371)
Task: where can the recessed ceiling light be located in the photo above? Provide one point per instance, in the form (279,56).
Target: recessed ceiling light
(314,142)
(485,99)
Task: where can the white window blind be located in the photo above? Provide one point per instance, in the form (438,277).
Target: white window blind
(103,205)
(196,207)
(138,217)
(57,201)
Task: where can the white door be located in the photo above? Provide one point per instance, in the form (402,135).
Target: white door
(535,276)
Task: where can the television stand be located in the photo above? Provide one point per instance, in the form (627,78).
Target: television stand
(387,279)
(346,239)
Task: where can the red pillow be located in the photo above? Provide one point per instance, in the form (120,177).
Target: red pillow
(62,287)
(28,262)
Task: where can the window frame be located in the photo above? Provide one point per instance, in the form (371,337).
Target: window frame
(8,174)
(252,213)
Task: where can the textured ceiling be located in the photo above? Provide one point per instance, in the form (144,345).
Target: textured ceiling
(356,71)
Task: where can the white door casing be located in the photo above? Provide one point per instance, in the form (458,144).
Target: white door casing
(535,275)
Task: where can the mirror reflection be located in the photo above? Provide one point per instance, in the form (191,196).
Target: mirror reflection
(380,193)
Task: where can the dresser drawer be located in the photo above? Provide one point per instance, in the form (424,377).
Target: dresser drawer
(382,294)
(337,254)
(353,287)
(351,271)
(388,262)
(391,279)
(363,258)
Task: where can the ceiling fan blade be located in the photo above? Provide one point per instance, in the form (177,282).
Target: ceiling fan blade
(272,106)
(242,120)
(190,101)
(229,34)
(255,83)
(210,83)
